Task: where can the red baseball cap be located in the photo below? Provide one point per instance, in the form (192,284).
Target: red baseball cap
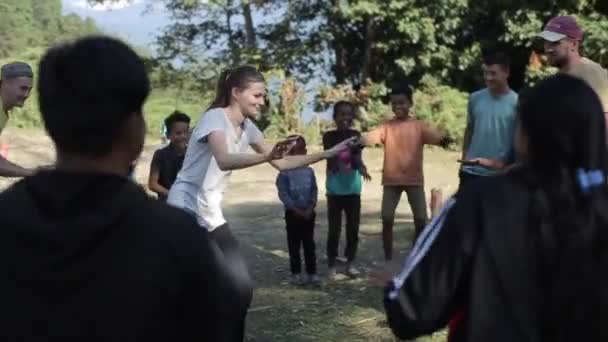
(561,27)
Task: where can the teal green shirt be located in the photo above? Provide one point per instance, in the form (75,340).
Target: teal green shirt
(493,122)
(344,183)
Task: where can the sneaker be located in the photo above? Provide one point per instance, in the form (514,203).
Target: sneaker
(314,279)
(351,271)
(295,279)
(331,273)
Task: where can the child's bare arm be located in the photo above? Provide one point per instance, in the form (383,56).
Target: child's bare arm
(153,182)
(364,172)
(374,137)
(434,136)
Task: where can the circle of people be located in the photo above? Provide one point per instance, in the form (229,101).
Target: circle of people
(516,254)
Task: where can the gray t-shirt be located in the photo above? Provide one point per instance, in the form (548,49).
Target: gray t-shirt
(200,185)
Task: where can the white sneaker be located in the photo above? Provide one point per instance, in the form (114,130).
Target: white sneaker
(331,273)
(351,271)
(314,279)
(295,279)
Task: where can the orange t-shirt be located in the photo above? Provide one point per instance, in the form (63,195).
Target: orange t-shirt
(403,141)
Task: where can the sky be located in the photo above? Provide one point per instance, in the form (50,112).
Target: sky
(127,19)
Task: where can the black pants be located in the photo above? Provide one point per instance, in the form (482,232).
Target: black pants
(238,297)
(351,206)
(466,178)
(301,232)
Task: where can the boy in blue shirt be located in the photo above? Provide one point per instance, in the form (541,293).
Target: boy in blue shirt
(298,191)
(488,141)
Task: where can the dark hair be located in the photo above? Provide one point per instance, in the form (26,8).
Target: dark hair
(234,78)
(497,58)
(87,90)
(300,142)
(402,90)
(175,117)
(346,105)
(564,123)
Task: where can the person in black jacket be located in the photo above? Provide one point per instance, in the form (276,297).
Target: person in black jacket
(521,256)
(85,255)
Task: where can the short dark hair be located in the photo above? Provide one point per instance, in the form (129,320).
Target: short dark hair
(344,104)
(88,88)
(300,142)
(497,58)
(174,118)
(402,90)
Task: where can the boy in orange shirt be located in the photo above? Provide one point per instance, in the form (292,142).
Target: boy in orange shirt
(403,138)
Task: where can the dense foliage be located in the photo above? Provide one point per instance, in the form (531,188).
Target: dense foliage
(351,49)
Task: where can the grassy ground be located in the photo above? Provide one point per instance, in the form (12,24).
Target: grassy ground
(349,309)
(346,310)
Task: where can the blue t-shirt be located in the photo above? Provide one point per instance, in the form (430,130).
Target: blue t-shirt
(493,122)
(345,183)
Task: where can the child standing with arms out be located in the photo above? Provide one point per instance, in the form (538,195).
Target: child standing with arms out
(343,187)
(403,138)
(168,160)
(298,191)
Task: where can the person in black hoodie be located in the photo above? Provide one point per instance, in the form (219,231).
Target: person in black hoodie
(520,256)
(85,255)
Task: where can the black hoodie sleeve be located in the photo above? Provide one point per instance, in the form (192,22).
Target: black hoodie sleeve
(429,290)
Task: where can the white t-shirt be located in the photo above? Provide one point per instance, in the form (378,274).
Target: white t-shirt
(200,184)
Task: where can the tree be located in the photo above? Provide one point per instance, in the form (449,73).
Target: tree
(16,26)
(47,16)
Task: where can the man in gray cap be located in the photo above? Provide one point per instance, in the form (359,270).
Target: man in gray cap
(15,86)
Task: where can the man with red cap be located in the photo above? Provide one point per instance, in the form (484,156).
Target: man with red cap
(563,38)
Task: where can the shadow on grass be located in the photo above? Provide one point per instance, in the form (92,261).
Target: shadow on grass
(346,309)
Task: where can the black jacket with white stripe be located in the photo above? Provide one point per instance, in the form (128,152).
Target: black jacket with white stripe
(474,258)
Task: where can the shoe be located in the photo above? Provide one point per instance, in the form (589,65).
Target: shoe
(331,273)
(351,271)
(295,279)
(314,279)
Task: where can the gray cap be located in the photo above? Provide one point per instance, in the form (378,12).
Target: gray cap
(16,69)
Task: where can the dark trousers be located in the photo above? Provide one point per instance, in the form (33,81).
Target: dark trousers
(240,293)
(301,232)
(466,178)
(351,206)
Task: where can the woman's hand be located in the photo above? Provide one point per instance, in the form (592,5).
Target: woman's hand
(494,164)
(280,149)
(346,144)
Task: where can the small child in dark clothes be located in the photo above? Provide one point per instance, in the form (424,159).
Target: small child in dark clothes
(298,191)
(343,185)
(167,161)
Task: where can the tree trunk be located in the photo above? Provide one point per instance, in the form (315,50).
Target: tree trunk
(369,45)
(249,28)
(234,50)
(335,24)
